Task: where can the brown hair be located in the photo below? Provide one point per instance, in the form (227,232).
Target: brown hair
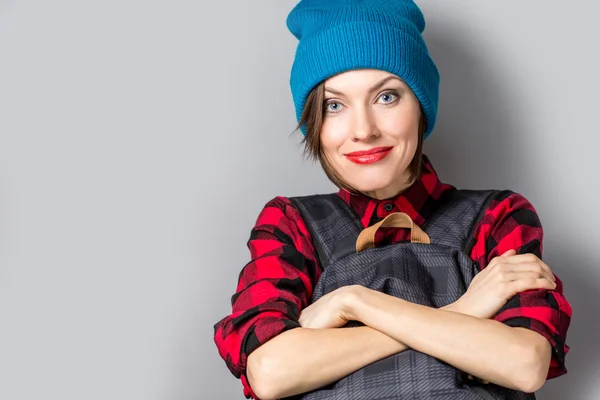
(312,120)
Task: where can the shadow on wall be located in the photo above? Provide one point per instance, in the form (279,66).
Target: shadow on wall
(583,360)
(471,143)
(476,145)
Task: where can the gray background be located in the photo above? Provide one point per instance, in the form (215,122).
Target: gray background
(140,139)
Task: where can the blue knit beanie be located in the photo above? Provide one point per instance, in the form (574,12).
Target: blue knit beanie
(340,35)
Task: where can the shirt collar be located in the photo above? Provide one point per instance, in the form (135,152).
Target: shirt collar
(418,201)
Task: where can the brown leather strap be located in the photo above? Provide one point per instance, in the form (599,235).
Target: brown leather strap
(366,239)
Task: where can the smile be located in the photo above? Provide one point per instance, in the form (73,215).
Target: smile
(369,156)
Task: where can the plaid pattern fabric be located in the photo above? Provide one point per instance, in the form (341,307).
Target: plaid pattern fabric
(279,280)
(512,223)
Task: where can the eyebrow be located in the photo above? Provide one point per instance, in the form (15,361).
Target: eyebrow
(373,88)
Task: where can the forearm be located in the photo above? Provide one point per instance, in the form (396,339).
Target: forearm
(300,360)
(511,357)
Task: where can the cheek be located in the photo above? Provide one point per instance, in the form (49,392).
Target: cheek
(332,136)
(402,125)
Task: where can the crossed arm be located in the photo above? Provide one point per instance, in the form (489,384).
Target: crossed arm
(461,334)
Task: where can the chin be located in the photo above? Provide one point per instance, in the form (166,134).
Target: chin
(373,184)
(374,178)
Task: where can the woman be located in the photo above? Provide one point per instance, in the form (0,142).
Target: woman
(398,286)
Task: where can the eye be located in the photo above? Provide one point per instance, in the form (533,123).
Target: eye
(333,106)
(389,97)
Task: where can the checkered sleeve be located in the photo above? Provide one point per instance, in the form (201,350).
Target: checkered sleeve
(272,288)
(511,222)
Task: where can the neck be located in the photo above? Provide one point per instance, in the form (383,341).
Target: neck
(388,192)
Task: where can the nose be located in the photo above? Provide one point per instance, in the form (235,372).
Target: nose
(364,127)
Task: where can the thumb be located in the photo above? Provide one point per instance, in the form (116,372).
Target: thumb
(511,252)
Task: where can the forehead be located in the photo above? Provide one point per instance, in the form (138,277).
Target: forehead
(359,79)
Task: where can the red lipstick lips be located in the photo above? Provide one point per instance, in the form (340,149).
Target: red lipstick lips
(369,156)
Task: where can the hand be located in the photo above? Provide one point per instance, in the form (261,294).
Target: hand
(503,278)
(331,310)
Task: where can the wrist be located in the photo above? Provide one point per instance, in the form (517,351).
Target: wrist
(462,307)
(375,309)
(351,301)
(454,307)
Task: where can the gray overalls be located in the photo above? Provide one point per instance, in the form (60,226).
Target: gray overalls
(434,273)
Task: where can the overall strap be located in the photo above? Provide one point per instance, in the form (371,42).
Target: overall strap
(333,225)
(454,221)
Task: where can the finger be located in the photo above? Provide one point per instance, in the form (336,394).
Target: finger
(529,257)
(547,268)
(526,275)
(499,259)
(523,285)
(530,266)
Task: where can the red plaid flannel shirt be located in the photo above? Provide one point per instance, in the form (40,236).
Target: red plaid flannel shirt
(278,281)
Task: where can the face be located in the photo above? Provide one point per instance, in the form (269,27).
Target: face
(370,130)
